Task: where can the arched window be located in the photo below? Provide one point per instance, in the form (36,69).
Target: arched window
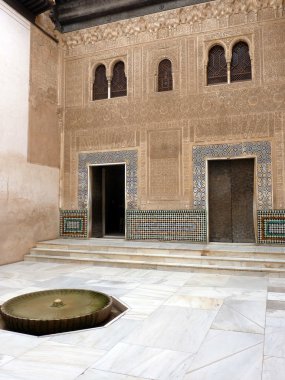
(119,81)
(100,85)
(217,65)
(165,82)
(240,64)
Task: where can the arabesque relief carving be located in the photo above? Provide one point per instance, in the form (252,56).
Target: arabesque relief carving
(171,20)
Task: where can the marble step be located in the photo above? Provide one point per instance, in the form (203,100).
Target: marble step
(162,257)
(250,252)
(159,265)
(114,248)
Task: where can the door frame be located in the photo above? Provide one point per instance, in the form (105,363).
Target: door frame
(89,192)
(254,192)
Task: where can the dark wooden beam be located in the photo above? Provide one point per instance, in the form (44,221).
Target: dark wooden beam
(79,14)
(20,8)
(87,9)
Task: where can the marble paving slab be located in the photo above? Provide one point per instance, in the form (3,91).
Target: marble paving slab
(250,283)
(103,338)
(184,300)
(274,296)
(207,280)
(275,318)
(174,328)
(5,359)
(273,368)
(94,374)
(237,316)
(220,344)
(143,361)
(233,367)
(51,360)
(14,344)
(182,326)
(222,292)
(274,344)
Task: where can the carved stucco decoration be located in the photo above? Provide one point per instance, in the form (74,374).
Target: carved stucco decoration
(120,112)
(170,20)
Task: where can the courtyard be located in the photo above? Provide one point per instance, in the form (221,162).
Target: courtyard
(179,325)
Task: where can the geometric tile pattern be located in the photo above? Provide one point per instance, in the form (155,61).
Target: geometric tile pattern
(261,150)
(73,223)
(271,226)
(129,157)
(168,225)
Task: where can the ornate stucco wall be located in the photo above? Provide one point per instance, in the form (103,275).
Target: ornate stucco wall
(28,192)
(165,128)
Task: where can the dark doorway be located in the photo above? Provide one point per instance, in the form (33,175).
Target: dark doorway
(108,200)
(231,194)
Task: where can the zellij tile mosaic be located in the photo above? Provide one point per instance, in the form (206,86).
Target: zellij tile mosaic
(167,225)
(271,227)
(73,223)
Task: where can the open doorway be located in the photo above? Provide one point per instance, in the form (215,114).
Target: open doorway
(231,200)
(107,183)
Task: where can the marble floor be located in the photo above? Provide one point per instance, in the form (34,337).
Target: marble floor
(179,325)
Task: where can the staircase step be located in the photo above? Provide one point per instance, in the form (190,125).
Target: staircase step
(273,254)
(165,258)
(252,270)
(218,258)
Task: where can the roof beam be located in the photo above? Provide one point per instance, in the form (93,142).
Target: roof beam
(20,8)
(71,15)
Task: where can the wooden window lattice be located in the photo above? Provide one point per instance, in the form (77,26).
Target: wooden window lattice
(100,86)
(165,81)
(119,81)
(217,66)
(240,64)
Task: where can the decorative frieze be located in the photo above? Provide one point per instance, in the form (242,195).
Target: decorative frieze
(168,21)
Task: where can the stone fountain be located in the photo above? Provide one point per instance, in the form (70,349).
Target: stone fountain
(55,311)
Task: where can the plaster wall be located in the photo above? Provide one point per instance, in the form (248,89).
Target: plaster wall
(43,125)
(165,127)
(28,192)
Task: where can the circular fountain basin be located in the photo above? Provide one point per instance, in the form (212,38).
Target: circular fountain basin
(57,310)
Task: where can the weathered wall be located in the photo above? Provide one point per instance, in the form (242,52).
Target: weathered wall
(164,127)
(43,118)
(28,193)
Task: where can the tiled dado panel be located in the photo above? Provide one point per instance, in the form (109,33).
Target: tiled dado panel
(271,227)
(129,157)
(168,225)
(259,149)
(73,223)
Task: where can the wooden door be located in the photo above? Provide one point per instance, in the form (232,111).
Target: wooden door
(231,192)
(97,201)
(115,200)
